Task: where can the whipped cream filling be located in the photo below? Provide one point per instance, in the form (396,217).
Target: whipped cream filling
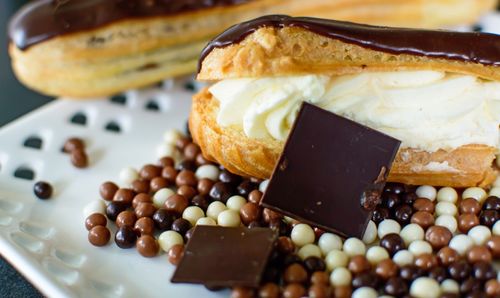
(427,110)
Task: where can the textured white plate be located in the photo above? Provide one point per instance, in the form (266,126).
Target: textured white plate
(47,240)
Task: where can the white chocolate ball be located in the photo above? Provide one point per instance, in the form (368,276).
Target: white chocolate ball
(447,194)
(412,232)
(388,226)
(235,203)
(419,247)
(215,208)
(94,206)
(166,150)
(450,286)
(263,186)
(480,234)
(425,287)
(495,191)
(364,292)
(207,171)
(328,242)
(171,136)
(354,246)
(161,196)
(375,254)
(168,239)
(229,218)
(340,277)
(403,257)
(446,208)
(309,250)
(426,191)
(496,228)
(475,192)
(128,175)
(461,243)
(302,234)
(370,233)
(206,221)
(192,214)
(447,221)
(335,259)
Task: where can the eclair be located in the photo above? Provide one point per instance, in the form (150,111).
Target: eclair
(102,47)
(438,92)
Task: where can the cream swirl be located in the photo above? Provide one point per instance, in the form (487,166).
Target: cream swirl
(426,110)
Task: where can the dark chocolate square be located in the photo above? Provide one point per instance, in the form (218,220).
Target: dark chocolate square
(328,164)
(225,257)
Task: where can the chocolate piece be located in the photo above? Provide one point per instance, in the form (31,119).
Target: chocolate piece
(327,165)
(472,47)
(43,190)
(46,19)
(225,257)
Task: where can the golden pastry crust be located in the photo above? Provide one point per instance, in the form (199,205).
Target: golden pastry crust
(285,51)
(465,166)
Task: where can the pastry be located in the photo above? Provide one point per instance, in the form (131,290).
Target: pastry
(436,91)
(102,47)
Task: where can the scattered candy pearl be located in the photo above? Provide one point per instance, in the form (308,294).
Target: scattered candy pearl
(412,232)
(475,192)
(450,286)
(370,233)
(403,257)
(388,226)
(425,287)
(354,247)
(302,234)
(446,208)
(495,191)
(447,194)
(128,175)
(168,239)
(206,221)
(420,247)
(448,222)
(364,292)
(496,228)
(461,243)
(375,254)
(479,234)
(229,218)
(309,250)
(335,259)
(328,242)
(95,206)
(426,191)
(193,213)
(340,277)
(171,136)
(165,150)
(235,203)
(161,196)
(215,208)
(207,171)
(263,185)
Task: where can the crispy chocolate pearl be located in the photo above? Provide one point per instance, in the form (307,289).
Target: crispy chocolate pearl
(245,188)
(489,217)
(294,290)
(313,264)
(182,142)
(188,235)
(79,158)
(269,290)
(467,221)
(318,232)
(175,254)
(469,205)
(42,190)
(176,203)
(492,288)
(188,191)
(188,165)
(181,226)
(410,272)
(148,172)
(423,204)
(186,177)
(459,270)
(124,195)
(438,236)
(201,201)
(125,237)
(144,226)
(390,200)
(392,243)
(366,279)
(409,198)
(147,246)
(403,213)
(228,177)
(492,203)
(145,210)
(396,286)
(141,186)
(272,274)
(426,261)
(126,218)
(204,186)
(255,196)
(386,269)
(113,209)
(158,183)
(108,190)
(99,236)
(249,212)
(395,188)
(423,219)
(72,144)
(470,285)
(320,277)
(280,226)
(447,255)
(483,271)
(319,291)
(268,215)
(95,219)
(169,173)
(475,294)
(242,292)
(141,198)
(291,259)
(358,264)
(191,151)
(166,161)
(494,246)
(342,292)
(479,253)
(379,214)
(201,160)
(295,273)
(438,273)
(163,219)
(221,192)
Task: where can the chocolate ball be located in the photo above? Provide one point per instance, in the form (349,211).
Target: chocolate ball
(185,164)
(141,198)
(147,246)
(447,255)
(489,217)
(294,290)
(255,196)
(158,183)
(479,253)
(181,226)
(295,273)
(422,218)
(483,271)
(409,198)
(494,246)
(42,190)
(242,292)
(423,204)
(459,270)
(176,203)
(470,285)
(396,286)
(250,212)
(426,261)
(108,190)
(492,288)
(492,203)
(342,292)
(269,290)
(201,201)
(201,160)
(187,191)
(469,205)
(149,172)
(191,151)
(175,254)
(245,187)
(166,161)
(358,264)
(230,178)
(313,264)
(186,177)
(163,219)
(144,226)
(438,273)
(285,245)
(392,243)
(467,221)
(395,188)
(125,237)
(169,173)
(268,215)
(79,158)
(72,144)
(182,142)
(410,272)
(390,200)
(386,269)
(124,195)
(126,218)
(95,219)
(366,279)
(320,277)
(99,236)
(113,209)
(280,226)
(379,214)
(145,210)
(221,192)
(204,186)
(318,291)
(141,186)
(403,213)
(438,236)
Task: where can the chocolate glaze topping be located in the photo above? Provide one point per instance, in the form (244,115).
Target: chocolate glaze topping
(45,19)
(472,47)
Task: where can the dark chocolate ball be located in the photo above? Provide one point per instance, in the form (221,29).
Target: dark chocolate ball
(42,190)
(125,237)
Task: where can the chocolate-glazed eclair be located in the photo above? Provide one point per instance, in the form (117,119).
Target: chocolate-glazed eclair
(436,91)
(99,47)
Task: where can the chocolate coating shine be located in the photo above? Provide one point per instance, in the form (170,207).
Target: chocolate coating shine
(470,47)
(45,19)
